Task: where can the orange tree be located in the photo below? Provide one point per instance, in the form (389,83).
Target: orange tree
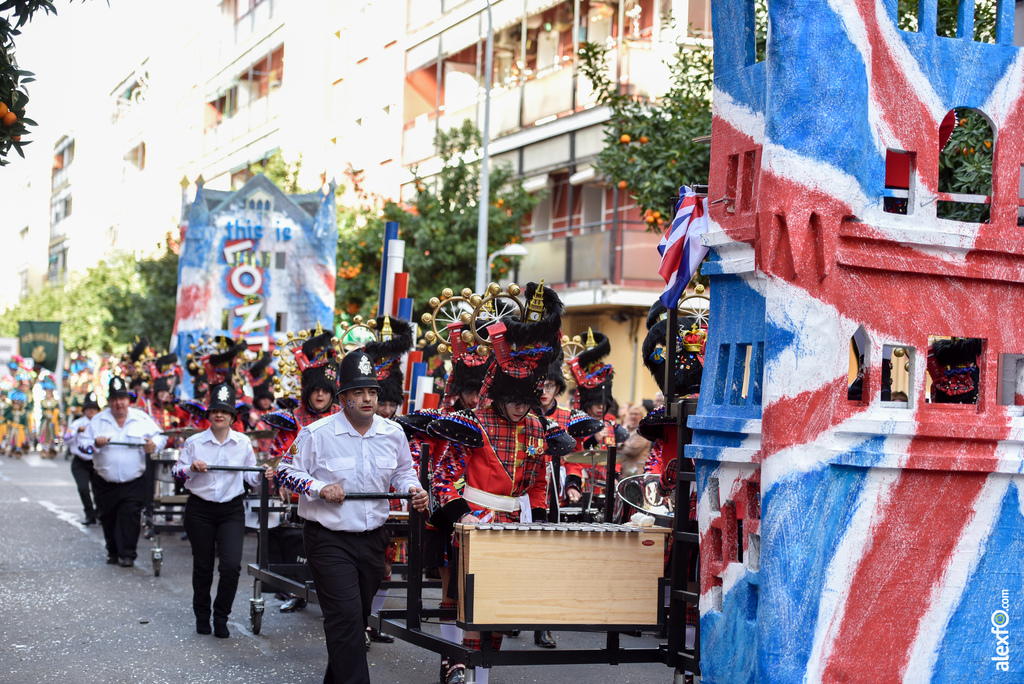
(13,97)
(649,146)
(438,225)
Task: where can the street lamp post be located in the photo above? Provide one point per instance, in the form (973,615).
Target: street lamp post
(483,271)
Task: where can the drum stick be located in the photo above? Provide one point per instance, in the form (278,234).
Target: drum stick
(357,496)
(237,469)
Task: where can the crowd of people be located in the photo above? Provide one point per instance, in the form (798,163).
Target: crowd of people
(489,443)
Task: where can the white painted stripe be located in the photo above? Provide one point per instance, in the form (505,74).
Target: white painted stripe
(946,594)
(856,541)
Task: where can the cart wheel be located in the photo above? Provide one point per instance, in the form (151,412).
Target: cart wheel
(156,567)
(255,619)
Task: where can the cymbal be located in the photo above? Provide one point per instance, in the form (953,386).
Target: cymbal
(592,457)
(260,434)
(272,462)
(180,432)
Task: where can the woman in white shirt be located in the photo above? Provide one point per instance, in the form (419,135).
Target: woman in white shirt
(214,515)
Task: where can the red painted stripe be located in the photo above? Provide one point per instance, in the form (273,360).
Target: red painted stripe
(912,543)
(899,104)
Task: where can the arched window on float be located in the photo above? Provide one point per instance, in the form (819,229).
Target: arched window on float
(967,144)
(860,350)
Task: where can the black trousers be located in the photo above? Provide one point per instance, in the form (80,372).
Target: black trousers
(347,570)
(120,507)
(81,470)
(215,531)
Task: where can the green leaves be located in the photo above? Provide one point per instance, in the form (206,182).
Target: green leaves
(13,95)
(438,225)
(965,167)
(107,306)
(660,154)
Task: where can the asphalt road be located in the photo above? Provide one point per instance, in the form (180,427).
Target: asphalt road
(67,616)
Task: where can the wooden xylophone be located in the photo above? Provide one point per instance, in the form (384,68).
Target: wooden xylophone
(547,575)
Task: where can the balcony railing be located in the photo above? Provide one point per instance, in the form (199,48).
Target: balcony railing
(547,94)
(245,119)
(591,259)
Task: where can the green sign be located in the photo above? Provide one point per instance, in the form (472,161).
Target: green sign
(39,341)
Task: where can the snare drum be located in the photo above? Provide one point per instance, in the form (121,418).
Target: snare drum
(252,513)
(165,465)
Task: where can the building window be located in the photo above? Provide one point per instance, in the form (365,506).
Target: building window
(63,155)
(265,75)
(220,108)
(135,158)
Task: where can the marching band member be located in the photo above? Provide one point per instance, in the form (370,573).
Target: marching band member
(119,481)
(504,470)
(163,407)
(593,393)
(214,516)
(81,462)
(19,424)
(49,422)
(395,339)
(661,429)
(353,450)
(319,379)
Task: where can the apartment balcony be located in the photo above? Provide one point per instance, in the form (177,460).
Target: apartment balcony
(246,119)
(593,257)
(549,94)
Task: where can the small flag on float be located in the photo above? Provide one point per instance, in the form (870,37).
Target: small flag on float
(680,248)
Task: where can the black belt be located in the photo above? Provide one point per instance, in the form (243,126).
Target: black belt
(364,533)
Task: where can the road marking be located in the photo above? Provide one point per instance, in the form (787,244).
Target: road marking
(70,518)
(34,461)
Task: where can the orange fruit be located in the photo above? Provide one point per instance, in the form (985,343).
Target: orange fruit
(650,218)
(988,144)
(622,185)
(3,109)
(657,214)
(624,138)
(632,159)
(10,118)
(644,139)
(17,138)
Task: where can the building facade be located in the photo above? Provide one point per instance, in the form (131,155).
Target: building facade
(226,84)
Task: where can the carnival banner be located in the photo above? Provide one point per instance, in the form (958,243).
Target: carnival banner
(40,341)
(255,263)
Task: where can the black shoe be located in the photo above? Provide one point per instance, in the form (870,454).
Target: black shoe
(367,635)
(220,630)
(202,626)
(456,675)
(112,560)
(379,637)
(127,562)
(90,520)
(293,604)
(444,671)
(544,639)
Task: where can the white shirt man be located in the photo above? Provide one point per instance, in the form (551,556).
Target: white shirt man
(81,464)
(119,483)
(354,450)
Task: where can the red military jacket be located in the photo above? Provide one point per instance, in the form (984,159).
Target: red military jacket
(510,463)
